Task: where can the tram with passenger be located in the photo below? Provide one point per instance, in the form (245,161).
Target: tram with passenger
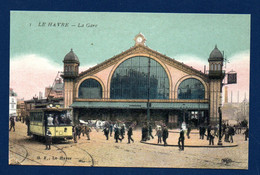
(58,120)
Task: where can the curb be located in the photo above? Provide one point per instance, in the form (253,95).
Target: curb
(192,146)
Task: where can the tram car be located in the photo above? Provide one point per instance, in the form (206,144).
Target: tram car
(58,120)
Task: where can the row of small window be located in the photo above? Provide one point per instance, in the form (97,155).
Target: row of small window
(70,68)
(215,67)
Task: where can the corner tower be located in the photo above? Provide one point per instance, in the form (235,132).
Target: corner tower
(70,73)
(216,75)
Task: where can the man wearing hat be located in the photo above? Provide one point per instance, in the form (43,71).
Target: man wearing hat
(165,134)
(48,139)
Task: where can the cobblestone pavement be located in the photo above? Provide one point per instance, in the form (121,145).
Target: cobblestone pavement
(100,152)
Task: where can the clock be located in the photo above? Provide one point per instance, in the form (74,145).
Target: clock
(139,39)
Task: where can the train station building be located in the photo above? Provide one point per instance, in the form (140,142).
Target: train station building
(128,85)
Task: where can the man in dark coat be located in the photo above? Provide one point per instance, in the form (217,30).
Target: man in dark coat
(203,131)
(87,131)
(181,140)
(165,135)
(74,134)
(116,135)
(27,122)
(211,136)
(78,131)
(188,130)
(144,133)
(208,130)
(12,123)
(48,139)
(129,134)
(111,129)
(150,131)
(106,132)
(246,133)
(231,132)
(122,132)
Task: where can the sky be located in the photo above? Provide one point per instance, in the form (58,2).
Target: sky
(40,40)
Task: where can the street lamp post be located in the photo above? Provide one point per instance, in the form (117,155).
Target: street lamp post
(148,92)
(220,117)
(183,107)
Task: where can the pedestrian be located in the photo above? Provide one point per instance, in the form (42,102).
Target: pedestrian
(144,133)
(150,131)
(246,133)
(129,134)
(48,139)
(111,129)
(165,134)
(208,130)
(12,124)
(200,131)
(122,131)
(78,128)
(74,134)
(159,134)
(116,135)
(226,139)
(106,132)
(27,122)
(231,132)
(181,140)
(82,129)
(87,131)
(211,136)
(188,131)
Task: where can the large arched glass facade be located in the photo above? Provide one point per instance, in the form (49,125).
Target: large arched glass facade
(130,80)
(90,88)
(191,88)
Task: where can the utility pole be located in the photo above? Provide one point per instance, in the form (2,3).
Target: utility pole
(148,92)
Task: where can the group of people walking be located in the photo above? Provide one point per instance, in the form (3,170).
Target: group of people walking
(79,129)
(119,132)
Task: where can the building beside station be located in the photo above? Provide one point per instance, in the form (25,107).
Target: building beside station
(12,102)
(139,81)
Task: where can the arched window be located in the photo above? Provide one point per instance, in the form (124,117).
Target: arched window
(90,88)
(191,88)
(215,67)
(66,68)
(219,67)
(130,80)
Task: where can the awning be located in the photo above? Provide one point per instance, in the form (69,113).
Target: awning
(140,105)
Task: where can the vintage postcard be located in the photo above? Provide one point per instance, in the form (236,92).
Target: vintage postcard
(106,89)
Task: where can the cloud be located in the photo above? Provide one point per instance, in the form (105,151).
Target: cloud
(30,74)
